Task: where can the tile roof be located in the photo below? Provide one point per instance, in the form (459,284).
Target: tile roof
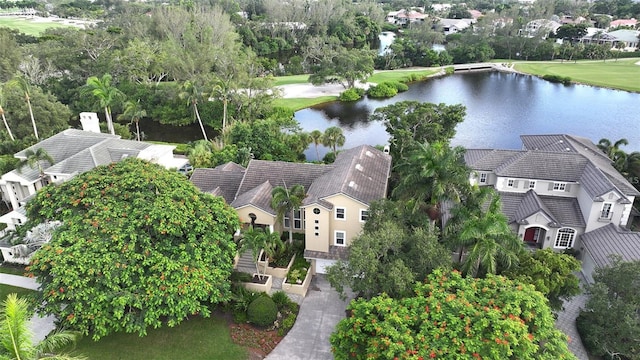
(259,196)
(223,180)
(487,159)
(562,211)
(543,165)
(335,253)
(612,240)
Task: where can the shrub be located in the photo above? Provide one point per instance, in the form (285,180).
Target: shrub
(557,79)
(382,90)
(352,94)
(242,298)
(401,87)
(238,276)
(262,311)
(281,299)
(449,70)
(287,324)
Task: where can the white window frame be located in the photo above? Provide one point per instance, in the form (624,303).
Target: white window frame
(286,221)
(559,186)
(344,213)
(344,238)
(483,178)
(364,215)
(511,183)
(565,237)
(607,211)
(532,184)
(297,219)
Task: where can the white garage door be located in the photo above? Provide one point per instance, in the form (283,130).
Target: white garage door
(322,264)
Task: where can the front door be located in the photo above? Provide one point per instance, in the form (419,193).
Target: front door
(532,234)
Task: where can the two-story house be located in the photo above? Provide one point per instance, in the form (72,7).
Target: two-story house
(558,192)
(337,198)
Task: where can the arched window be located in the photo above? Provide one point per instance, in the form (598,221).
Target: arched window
(565,238)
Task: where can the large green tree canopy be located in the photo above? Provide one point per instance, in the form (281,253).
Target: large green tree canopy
(452,317)
(139,246)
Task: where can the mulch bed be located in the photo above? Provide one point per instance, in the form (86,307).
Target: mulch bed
(259,342)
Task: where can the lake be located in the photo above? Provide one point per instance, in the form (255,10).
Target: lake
(500,108)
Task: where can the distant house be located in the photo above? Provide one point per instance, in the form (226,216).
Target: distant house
(561,192)
(337,198)
(404,17)
(623,22)
(453,26)
(625,40)
(540,27)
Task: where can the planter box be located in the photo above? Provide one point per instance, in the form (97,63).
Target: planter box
(266,287)
(276,272)
(298,289)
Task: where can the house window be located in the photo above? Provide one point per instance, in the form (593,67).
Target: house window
(483,178)
(316,211)
(317,234)
(510,183)
(297,219)
(532,184)
(287,222)
(564,239)
(341,213)
(317,221)
(606,212)
(558,186)
(340,238)
(364,215)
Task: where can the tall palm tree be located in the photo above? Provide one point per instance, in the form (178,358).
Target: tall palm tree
(611,149)
(223,89)
(284,200)
(431,174)
(22,83)
(316,139)
(16,340)
(4,119)
(191,93)
(35,158)
(106,93)
(133,112)
(333,137)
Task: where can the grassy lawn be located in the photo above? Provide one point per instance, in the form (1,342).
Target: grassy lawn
(296,104)
(291,79)
(195,339)
(28,27)
(7,289)
(399,75)
(13,270)
(622,74)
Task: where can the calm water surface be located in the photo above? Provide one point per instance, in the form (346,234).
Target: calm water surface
(500,107)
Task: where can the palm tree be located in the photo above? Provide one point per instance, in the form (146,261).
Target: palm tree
(106,94)
(333,137)
(222,89)
(191,93)
(4,119)
(611,150)
(35,158)
(17,340)
(431,174)
(255,240)
(133,111)
(487,234)
(316,139)
(23,84)
(284,201)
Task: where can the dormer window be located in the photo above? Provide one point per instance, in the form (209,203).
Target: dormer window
(510,183)
(559,186)
(483,178)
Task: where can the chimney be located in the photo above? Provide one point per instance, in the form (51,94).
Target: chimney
(89,121)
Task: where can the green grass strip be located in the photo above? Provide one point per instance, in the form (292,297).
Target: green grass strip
(296,104)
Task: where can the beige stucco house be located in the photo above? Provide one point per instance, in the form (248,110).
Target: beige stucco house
(337,198)
(561,192)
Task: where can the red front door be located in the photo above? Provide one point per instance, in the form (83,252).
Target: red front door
(531,235)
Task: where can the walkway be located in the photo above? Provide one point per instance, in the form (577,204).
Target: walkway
(566,322)
(40,326)
(320,312)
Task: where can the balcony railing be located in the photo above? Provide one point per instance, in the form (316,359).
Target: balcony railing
(605,216)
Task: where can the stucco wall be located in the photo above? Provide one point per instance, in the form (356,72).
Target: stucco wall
(319,242)
(351,225)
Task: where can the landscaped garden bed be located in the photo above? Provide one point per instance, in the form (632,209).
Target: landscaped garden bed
(261,283)
(298,278)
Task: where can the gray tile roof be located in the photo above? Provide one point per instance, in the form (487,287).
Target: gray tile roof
(543,165)
(487,159)
(223,180)
(360,173)
(563,211)
(335,253)
(259,196)
(67,143)
(612,240)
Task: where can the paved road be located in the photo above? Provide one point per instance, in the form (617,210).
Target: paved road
(319,313)
(40,326)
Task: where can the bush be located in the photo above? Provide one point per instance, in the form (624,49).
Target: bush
(401,87)
(583,324)
(382,90)
(557,79)
(281,299)
(352,94)
(238,276)
(287,324)
(262,311)
(449,70)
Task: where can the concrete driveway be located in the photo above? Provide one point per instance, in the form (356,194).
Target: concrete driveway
(320,311)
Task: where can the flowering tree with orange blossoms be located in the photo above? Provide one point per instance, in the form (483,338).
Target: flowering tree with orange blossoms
(453,317)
